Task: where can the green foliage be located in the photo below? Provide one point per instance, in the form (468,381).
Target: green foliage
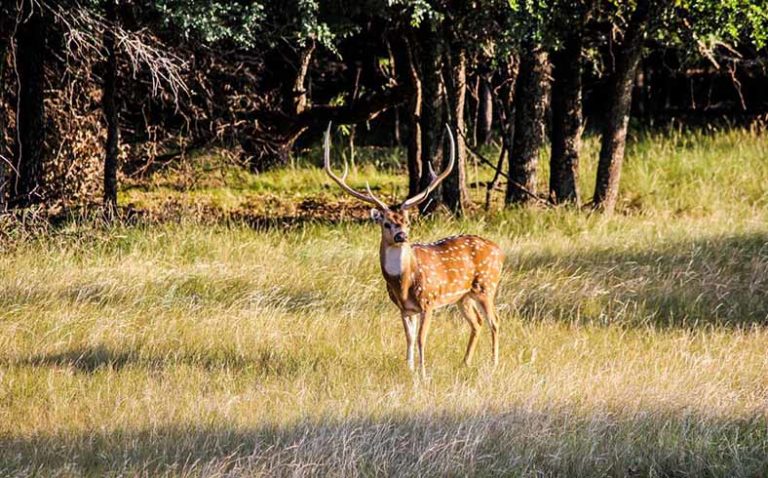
(711,29)
(253,24)
(310,28)
(492,27)
(417,11)
(215,21)
(738,21)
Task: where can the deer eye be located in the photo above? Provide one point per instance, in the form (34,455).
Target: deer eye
(388,225)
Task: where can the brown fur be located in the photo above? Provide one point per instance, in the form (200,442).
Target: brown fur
(464,269)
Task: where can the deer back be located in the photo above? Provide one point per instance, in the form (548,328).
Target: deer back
(450,268)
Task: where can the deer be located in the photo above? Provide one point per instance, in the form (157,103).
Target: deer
(420,278)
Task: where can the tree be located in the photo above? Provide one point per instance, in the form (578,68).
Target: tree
(614,136)
(532,88)
(484,109)
(450,33)
(414,119)
(700,27)
(291,30)
(110,111)
(454,188)
(30,114)
(431,60)
(7,17)
(458,37)
(567,121)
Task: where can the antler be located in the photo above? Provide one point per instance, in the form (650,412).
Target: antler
(419,198)
(369,198)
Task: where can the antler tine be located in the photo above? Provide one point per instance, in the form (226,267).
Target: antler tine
(432,173)
(370,198)
(419,198)
(379,202)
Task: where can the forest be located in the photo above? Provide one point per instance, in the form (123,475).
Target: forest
(193,282)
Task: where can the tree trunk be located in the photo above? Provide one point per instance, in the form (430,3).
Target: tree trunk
(567,121)
(505,102)
(431,107)
(351,146)
(110,114)
(454,188)
(485,111)
(4,43)
(532,90)
(397,72)
(473,109)
(396,139)
(30,115)
(414,142)
(615,133)
(299,91)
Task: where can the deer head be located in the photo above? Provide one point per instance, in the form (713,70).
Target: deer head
(394,221)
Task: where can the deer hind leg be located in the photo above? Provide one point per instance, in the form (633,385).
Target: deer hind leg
(426,319)
(410,323)
(489,310)
(469,312)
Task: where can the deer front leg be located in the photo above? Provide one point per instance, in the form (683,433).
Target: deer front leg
(426,319)
(409,324)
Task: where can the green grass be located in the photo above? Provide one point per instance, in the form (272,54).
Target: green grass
(632,345)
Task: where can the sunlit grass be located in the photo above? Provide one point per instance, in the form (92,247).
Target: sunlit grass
(632,345)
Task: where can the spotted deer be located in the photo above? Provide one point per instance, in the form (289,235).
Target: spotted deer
(423,277)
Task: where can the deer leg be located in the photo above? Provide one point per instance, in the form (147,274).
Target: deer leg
(479,315)
(470,314)
(426,319)
(489,310)
(409,323)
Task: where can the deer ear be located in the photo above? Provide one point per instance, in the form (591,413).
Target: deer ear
(376,215)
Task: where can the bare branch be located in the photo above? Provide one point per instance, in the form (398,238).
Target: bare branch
(499,172)
(84,31)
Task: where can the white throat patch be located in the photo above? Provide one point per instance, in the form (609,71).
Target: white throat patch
(395,259)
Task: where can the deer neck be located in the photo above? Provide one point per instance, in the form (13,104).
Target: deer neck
(395,260)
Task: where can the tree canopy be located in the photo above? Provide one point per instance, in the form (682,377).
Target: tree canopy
(266,76)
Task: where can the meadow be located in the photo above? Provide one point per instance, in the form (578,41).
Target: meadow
(202,339)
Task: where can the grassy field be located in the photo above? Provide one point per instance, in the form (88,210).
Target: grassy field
(181,346)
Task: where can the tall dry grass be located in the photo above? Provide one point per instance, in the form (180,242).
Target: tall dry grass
(633,345)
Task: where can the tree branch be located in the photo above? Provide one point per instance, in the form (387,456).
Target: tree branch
(485,161)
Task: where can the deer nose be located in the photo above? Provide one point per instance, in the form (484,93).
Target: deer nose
(401,237)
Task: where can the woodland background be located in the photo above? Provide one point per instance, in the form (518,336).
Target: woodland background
(185,292)
(97,91)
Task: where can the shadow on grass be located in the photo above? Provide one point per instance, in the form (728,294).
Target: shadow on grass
(184,290)
(264,361)
(518,442)
(282,217)
(719,281)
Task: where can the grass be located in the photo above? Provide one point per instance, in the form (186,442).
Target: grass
(631,346)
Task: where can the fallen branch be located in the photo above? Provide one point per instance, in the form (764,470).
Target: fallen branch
(288,128)
(496,177)
(485,161)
